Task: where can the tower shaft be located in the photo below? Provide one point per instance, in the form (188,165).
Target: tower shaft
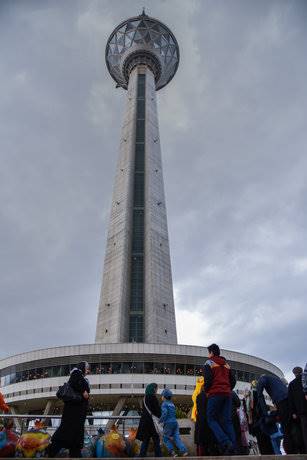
(136,302)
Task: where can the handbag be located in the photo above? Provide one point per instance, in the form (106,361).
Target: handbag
(155,419)
(67,394)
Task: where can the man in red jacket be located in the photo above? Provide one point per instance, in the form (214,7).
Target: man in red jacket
(219,382)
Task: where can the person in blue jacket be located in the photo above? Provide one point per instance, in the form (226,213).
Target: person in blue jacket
(171,437)
(278,392)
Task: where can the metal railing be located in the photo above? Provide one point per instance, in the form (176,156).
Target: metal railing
(122,422)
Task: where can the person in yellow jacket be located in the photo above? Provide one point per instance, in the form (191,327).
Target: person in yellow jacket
(198,389)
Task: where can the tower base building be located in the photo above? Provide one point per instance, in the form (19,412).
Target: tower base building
(120,372)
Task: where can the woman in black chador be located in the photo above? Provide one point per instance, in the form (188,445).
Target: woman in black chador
(146,429)
(70,433)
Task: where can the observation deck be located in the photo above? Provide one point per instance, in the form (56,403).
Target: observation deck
(142,40)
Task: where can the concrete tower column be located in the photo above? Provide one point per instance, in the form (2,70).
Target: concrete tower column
(136,302)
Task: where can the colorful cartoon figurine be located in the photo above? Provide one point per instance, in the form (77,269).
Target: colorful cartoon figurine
(8,440)
(114,444)
(34,442)
(133,446)
(99,443)
(87,450)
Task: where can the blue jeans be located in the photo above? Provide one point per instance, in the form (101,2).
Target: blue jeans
(219,419)
(276,445)
(172,438)
(276,441)
(157,447)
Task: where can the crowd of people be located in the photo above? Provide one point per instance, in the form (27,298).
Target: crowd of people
(70,433)
(224,424)
(286,420)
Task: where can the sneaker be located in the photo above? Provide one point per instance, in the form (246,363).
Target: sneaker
(184,454)
(173,454)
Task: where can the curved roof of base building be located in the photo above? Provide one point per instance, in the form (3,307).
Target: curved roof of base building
(137,351)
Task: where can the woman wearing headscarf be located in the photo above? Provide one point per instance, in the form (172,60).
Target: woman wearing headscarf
(146,429)
(70,434)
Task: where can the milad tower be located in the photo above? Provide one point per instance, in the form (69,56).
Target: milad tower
(136,303)
(136,340)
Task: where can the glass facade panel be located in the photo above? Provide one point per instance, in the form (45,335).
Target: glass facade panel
(136,318)
(137,368)
(56,371)
(138,240)
(136,328)
(141,108)
(140,129)
(137,284)
(141,87)
(158,368)
(169,368)
(139,157)
(190,369)
(117,368)
(95,368)
(148,368)
(139,189)
(199,370)
(180,369)
(126,367)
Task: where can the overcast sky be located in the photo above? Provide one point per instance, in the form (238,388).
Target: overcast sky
(233,127)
